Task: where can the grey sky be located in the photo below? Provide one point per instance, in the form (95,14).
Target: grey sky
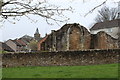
(25,26)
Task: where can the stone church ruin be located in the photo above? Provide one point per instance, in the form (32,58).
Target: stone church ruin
(76,37)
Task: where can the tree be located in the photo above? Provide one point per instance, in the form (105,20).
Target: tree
(17,8)
(106,14)
(33,45)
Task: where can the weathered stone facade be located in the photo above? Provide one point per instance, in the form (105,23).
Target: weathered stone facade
(76,37)
(102,40)
(69,37)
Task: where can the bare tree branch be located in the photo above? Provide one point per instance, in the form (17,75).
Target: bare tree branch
(106,14)
(16,8)
(95,8)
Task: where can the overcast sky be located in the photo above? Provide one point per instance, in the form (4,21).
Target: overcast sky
(27,27)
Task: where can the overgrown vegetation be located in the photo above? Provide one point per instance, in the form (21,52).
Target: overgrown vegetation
(3,52)
(92,71)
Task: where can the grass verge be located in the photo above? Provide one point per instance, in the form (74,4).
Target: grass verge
(91,71)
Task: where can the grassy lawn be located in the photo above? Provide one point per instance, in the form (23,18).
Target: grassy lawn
(92,71)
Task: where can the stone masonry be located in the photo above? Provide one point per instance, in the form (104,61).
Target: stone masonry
(61,58)
(102,40)
(76,37)
(69,37)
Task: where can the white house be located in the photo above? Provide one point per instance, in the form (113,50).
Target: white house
(110,27)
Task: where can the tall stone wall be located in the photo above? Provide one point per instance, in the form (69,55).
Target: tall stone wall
(69,37)
(61,58)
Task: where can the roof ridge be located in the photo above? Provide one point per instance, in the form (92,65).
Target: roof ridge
(106,24)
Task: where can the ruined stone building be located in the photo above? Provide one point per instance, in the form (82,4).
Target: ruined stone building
(76,37)
(102,40)
(110,27)
(69,37)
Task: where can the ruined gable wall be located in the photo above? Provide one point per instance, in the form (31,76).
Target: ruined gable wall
(104,41)
(72,37)
(79,38)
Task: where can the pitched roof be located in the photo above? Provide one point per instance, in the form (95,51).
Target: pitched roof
(27,36)
(5,47)
(18,44)
(21,42)
(26,39)
(106,24)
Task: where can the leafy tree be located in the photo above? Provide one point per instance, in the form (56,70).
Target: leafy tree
(106,14)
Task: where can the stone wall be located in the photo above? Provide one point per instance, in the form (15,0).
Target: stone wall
(102,40)
(61,58)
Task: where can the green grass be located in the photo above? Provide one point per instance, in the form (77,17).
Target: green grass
(92,71)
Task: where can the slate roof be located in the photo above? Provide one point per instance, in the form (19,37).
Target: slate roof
(21,42)
(18,44)
(106,24)
(26,39)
